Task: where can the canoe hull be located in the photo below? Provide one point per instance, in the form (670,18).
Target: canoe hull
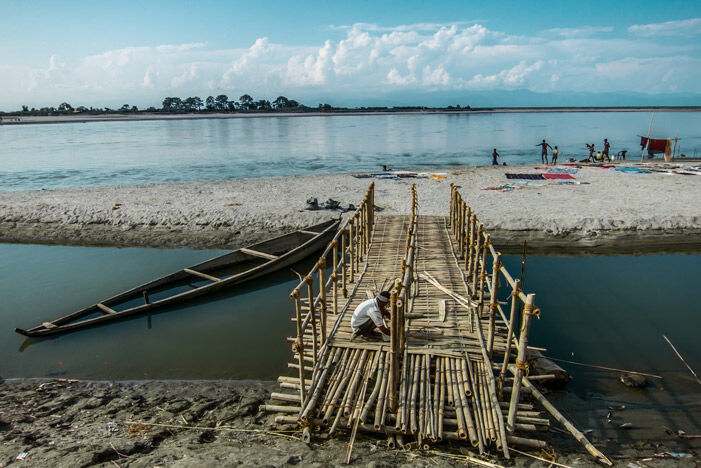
(291,257)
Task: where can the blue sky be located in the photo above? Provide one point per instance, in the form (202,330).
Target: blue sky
(348,52)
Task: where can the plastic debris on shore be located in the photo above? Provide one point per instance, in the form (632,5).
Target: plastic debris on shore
(21,456)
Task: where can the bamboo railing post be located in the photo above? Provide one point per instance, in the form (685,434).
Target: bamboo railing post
(344,282)
(322,293)
(483,273)
(470,243)
(334,276)
(394,343)
(351,241)
(509,334)
(452,207)
(493,303)
(312,315)
(299,345)
(466,241)
(475,263)
(463,230)
(521,364)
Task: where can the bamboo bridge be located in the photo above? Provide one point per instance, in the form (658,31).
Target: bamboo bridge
(455,366)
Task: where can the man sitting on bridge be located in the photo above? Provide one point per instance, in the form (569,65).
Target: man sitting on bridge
(369,315)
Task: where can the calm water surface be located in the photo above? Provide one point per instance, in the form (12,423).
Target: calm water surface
(107,153)
(609,310)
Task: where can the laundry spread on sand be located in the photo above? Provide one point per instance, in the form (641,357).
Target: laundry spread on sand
(562,170)
(500,188)
(402,175)
(557,176)
(525,176)
(632,170)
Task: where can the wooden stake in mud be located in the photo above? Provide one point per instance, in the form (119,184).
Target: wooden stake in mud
(521,364)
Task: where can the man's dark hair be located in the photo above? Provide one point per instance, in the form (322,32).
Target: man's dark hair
(385,295)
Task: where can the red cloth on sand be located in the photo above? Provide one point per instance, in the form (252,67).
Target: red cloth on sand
(558,176)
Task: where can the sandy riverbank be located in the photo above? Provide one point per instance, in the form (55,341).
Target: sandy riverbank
(607,209)
(90,424)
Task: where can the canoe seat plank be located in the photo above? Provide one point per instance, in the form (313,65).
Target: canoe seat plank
(311,233)
(259,254)
(202,275)
(48,325)
(105,309)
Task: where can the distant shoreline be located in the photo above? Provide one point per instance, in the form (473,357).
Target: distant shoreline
(127,117)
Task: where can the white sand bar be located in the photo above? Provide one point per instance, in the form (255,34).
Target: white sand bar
(608,209)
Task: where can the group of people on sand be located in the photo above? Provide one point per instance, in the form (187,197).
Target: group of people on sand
(604,155)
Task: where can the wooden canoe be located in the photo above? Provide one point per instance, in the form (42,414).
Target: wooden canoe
(213,275)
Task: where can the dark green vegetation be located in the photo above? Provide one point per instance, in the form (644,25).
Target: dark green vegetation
(212,104)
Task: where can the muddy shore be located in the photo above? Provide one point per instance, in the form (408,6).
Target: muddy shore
(604,209)
(75,423)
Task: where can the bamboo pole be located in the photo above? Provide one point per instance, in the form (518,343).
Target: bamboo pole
(352,234)
(475,263)
(394,345)
(483,274)
(344,282)
(322,294)
(312,314)
(562,420)
(299,344)
(459,402)
(493,303)
(441,398)
(509,337)
(334,276)
(528,312)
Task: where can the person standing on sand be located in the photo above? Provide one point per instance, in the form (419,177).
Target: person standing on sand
(544,152)
(607,145)
(591,151)
(555,153)
(369,315)
(495,155)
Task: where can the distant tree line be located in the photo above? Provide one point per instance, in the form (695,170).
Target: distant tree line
(220,103)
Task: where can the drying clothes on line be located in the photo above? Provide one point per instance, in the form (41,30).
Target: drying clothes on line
(656,145)
(525,176)
(558,176)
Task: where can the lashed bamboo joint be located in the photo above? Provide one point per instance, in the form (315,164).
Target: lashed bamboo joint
(435,378)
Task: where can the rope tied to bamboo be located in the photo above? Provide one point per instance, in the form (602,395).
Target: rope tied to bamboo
(308,279)
(523,365)
(532,311)
(298,347)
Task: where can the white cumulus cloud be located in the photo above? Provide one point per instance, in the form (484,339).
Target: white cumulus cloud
(370,60)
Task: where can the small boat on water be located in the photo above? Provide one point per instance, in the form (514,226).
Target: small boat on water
(222,272)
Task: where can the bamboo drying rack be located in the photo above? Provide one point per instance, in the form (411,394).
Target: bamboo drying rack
(454,367)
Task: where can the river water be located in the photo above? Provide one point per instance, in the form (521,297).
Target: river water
(608,310)
(113,153)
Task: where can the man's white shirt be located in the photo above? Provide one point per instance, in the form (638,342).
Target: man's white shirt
(367,310)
